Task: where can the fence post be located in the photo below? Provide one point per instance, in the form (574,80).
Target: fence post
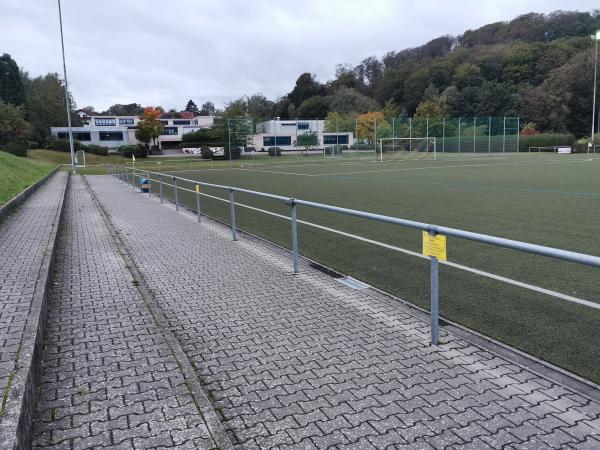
(149,184)
(443,134)
(160,187)
(489,134)
(434,300)
(176,194)
(504,136)
(474,131)
(294,236)
(232,207)
(459,135)
(198,202)
(518,131)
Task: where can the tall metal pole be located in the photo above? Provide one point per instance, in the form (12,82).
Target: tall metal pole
(229,140)
(68,101)
(596,38)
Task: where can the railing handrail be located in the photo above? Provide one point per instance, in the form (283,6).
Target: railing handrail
(551,252)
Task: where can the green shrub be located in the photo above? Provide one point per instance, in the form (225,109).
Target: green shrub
(274,151)
(15,146)
(62,145)
(96,149)
(545,140)
(127,150)
(206,153)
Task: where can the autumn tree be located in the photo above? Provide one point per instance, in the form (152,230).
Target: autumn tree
(149,126)
(372,126)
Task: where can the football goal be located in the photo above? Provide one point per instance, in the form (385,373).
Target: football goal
(390,149)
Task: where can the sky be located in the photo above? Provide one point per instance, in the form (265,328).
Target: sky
(160,52)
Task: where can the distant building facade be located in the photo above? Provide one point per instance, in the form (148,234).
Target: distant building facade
(294,135)
(114,131)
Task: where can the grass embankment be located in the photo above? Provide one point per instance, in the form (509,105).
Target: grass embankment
(18,173)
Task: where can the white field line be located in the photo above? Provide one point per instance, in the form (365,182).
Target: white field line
(412,168)
(482,273)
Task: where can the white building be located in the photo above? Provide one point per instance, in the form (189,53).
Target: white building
(285,134)
(114,131)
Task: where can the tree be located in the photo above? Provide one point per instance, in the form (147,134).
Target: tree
(348,101)
(131,109)
(46,105)
(14,129)
(314,106)
(11,85)
(431,108)
(207,109)
(191,107)
(372,126)
(306,86)
(260,107)
(149,126)
(337,122)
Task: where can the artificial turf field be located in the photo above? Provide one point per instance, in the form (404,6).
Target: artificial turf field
(545,199)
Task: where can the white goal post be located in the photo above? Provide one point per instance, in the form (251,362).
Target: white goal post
(410,145)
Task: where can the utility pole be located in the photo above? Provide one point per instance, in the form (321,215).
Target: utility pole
(68,100)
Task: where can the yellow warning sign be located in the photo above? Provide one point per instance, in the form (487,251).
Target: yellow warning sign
(197,188)
(434,245)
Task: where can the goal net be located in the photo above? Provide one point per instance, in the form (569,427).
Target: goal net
(548,149)
(391,149)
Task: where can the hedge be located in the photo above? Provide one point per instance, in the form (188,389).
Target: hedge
(127,150)
(545,140)
(96,149)
(62,145)
(274,151)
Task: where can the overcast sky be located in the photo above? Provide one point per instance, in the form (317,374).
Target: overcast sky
(160,52)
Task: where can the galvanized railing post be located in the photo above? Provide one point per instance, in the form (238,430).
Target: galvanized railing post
(435,312)
(198,202)
(232,207)
(126,175)
(149,184)
(160,187)
(294,236)
(176,194)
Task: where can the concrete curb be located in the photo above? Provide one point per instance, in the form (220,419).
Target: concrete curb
(17,200)
(194,383)
(16,425)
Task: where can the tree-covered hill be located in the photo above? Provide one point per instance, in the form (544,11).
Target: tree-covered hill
(537,66)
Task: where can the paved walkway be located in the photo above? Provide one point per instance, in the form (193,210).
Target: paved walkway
(24,238)
(109,378)
(301,361)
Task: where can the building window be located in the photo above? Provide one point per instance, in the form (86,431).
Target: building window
(333,139)
(181,122)
(303,126)
(78,136)
(276,141)
(169,131)
(105,122)
(288,124)
(111,135)
(125,121)
(164,122)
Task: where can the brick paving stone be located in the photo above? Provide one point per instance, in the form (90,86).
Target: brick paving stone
(109,378)
(349,367)
(24,237)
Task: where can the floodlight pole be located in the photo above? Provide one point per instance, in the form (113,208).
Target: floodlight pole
(68,102)
(596,38)
(229,139)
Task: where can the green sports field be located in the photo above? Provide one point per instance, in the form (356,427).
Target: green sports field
(546,199)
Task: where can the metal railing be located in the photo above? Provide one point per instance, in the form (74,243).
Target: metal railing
(128,175)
